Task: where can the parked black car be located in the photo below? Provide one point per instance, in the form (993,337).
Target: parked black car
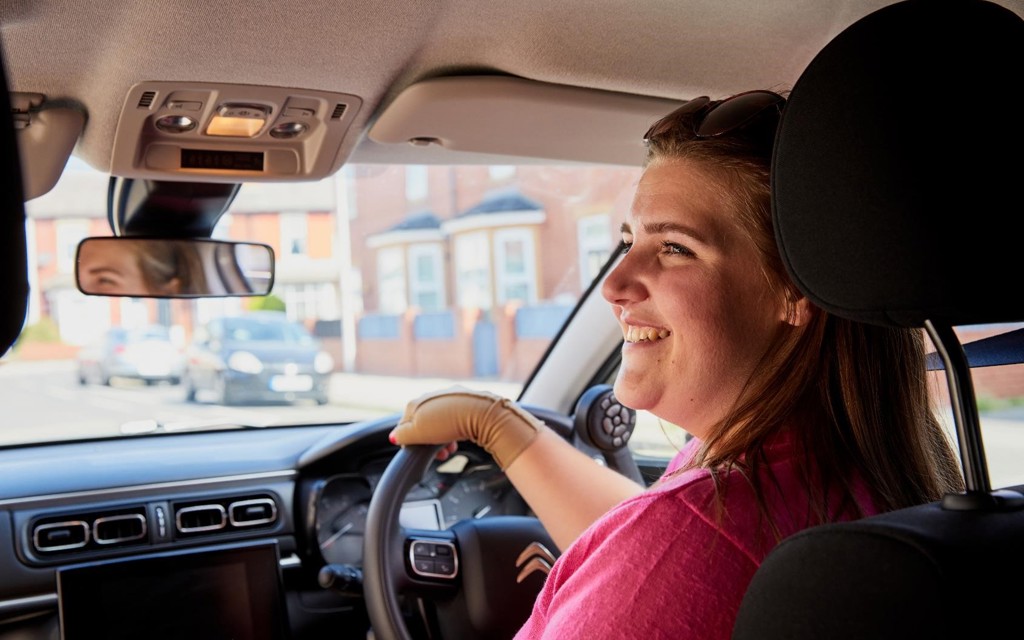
(255,358)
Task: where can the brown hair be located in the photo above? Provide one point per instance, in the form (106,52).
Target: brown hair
(163,262)
(855,395)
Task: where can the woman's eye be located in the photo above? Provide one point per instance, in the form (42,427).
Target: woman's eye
(675,248)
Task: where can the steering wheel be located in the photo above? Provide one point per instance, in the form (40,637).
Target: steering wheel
(479,578)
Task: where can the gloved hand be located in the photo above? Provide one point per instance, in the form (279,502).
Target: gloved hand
(495,423)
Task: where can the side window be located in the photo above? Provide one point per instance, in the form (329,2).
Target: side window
(656,438)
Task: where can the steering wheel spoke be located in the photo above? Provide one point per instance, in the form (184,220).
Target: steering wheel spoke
(478,579)
(432,562)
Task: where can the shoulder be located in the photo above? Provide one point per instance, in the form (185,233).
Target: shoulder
(679,518)
(623,577)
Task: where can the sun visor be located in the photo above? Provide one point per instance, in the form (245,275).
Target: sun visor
(503,115)
(47,134)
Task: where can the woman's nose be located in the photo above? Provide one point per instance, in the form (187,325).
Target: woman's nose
(621,283)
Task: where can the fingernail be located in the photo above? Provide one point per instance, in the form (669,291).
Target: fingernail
(392,439)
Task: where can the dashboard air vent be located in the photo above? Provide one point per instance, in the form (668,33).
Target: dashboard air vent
(117,529)
(200,518)
(60,536)
(233,513)
(252,513)
(88,531)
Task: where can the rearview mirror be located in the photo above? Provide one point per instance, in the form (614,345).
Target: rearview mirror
(173,268)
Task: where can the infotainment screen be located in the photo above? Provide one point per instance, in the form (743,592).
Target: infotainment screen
(212,593)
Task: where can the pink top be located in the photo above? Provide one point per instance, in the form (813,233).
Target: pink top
(669,563)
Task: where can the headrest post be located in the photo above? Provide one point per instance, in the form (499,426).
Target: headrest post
(964,405)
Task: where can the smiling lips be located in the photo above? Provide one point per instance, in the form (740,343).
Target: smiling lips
(645,334)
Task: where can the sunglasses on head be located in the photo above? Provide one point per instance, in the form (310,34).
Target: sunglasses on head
(712,119)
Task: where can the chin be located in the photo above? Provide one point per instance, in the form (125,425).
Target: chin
(632,394)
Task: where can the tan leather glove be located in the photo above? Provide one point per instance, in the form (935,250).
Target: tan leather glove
(495,423)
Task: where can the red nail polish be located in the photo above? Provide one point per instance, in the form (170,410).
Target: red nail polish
(392,439)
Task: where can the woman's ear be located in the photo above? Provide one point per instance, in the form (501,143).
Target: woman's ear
(798,311)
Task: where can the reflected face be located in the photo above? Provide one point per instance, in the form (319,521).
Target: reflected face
(114,267)
(695,308)
(105,268)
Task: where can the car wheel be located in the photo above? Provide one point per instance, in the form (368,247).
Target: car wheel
(190,389)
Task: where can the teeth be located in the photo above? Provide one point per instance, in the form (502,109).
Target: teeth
(640,334)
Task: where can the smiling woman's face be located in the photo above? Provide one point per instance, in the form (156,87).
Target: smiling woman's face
(695,308)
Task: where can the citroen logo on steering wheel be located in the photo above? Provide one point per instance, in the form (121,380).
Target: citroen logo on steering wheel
(535,557)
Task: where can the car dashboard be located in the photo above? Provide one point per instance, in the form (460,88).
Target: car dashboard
(303,492)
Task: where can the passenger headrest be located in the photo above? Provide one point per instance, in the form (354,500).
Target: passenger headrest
(898,167)
(13,256)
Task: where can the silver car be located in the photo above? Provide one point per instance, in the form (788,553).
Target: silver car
(144,353)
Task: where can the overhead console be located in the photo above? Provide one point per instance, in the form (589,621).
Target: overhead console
(230,133)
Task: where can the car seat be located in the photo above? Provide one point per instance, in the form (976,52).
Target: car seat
(13,247)
(895,195)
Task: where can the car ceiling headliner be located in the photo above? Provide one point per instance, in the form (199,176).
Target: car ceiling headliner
(93,52)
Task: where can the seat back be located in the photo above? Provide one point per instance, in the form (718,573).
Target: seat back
(895,201)
(13,250)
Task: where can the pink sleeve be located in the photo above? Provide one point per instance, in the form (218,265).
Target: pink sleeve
(654,568)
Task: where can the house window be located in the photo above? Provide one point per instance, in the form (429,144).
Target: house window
(310,301)
(501,171)
(515,269)
(415,182)
(391,280)
(294,234)
(426,277)
(595,243)
(69,234)
(473,270)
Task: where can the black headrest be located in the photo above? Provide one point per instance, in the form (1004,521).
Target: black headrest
(898,167)
(13,257)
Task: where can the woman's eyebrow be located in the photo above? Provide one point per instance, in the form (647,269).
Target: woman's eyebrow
(104,269)
(665,226)
(669,226)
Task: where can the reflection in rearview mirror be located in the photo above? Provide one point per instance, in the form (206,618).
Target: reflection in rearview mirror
(173,268)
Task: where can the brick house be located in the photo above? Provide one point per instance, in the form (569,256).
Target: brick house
(412,294)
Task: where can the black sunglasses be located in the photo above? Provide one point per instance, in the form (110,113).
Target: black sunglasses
(711,119)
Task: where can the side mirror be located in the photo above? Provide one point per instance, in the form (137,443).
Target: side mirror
(173,268)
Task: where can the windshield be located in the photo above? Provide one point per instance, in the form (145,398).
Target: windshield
(432,275)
